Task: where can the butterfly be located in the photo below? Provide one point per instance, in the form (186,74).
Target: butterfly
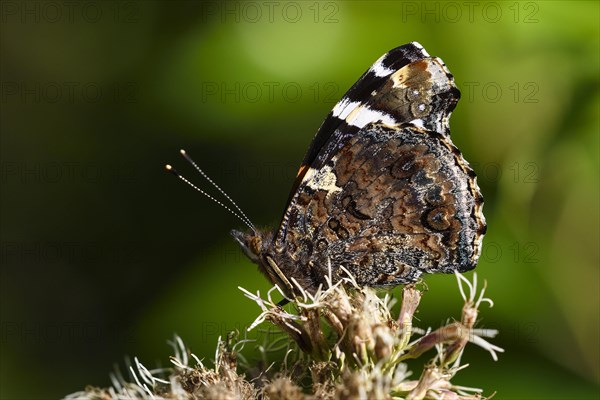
(382,193)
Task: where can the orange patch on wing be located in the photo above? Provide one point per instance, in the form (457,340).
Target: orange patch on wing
(302,170)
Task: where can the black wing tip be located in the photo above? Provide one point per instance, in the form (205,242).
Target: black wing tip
(414,49)
(401,56)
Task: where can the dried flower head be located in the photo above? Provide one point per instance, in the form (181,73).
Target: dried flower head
(345,343)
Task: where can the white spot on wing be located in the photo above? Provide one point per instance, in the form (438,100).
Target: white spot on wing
(418,123)
(324,179)
(439,74)
(418,46)
(379,69)
(344,107)
(363,115)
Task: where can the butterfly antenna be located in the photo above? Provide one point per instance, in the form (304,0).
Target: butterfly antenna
(172,170)
(189,159)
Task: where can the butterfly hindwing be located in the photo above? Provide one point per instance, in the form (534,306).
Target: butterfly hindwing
(390,205)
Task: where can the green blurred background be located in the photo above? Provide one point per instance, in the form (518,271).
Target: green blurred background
(105,255)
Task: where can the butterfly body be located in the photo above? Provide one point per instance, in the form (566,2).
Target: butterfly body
(382,193)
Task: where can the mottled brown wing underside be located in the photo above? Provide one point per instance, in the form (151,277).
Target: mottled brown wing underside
(391,205)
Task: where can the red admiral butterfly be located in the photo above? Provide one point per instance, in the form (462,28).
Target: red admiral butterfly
(382,192)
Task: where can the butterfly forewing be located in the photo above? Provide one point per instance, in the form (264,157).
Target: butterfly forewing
(372,80)
(392,204)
